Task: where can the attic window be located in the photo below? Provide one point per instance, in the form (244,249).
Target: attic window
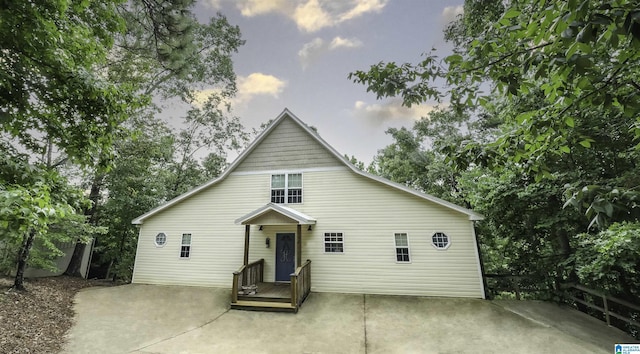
(286,188)
(440,240)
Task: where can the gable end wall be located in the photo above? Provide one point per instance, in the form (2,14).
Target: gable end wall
(287,147)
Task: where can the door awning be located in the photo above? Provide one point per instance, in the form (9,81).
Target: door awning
(275,214)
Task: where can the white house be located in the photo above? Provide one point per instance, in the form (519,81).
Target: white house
(292,215)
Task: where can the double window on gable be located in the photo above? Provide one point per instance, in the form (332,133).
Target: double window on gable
(286,188)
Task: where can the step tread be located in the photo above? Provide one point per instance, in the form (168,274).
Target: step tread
(263,304)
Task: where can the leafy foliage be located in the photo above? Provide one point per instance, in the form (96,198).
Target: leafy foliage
(166,53)
(50,82)
(609,259)
(37,209)
(77,80)
(580,55)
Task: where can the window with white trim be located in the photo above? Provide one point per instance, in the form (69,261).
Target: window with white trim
(161,239)
(333,242)
(440,240)
(286,188)
(185,246)
(402,247)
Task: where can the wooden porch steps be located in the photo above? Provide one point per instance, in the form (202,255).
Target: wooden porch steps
(263,306)
(264,298)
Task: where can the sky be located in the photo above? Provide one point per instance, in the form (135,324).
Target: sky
(298,54)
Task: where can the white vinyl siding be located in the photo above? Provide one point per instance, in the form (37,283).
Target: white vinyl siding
(368,212)
(365,210)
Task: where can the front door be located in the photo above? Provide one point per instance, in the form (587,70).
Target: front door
(285,256)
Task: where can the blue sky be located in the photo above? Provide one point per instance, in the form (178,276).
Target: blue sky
(298,54)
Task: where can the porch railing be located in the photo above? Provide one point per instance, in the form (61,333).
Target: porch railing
(249,274)
(300,284)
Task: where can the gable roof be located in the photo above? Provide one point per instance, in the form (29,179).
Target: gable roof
(287,114)
(294,215)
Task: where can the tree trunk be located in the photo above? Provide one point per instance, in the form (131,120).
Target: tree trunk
(22,260)
(73,269)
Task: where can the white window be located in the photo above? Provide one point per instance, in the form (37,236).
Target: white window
(402,247)
(161,239)
(440,240)
(333,242)
(185,247)
(286,188)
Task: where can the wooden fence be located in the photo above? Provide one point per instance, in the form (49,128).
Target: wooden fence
(607,301)
(519,285)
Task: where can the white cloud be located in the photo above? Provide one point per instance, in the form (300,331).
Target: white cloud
(251,8)
(200,97)
(345,42)
(362,7)
(390,110)
(309,15)
(315,48)
(311,50)
(256,84)
(259,84)
(450,13)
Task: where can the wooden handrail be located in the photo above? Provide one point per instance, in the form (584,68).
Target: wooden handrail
(605,302)
(300,283)
(251,273)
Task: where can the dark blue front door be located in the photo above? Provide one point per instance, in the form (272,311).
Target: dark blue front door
(285,256)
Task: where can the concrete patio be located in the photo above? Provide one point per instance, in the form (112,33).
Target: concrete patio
(169,319)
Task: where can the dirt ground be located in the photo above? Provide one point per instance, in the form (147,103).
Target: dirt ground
(35,321)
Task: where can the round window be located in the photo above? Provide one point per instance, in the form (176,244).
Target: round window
(161,239)
(440,240)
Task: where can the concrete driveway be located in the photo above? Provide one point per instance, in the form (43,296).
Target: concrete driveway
(169,319)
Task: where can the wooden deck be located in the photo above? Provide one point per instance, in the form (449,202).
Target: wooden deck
(287,297)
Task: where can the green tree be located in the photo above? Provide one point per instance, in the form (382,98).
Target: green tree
(609,259)
(53,93)
(50,82)
(166,53)
(37,207)
(581,55)
(136,183)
